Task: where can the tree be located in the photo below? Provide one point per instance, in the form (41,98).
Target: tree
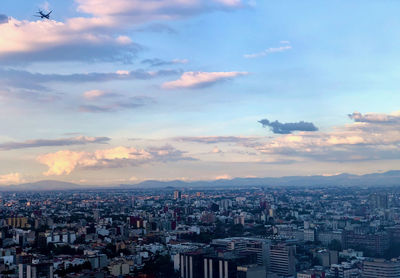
(335,245)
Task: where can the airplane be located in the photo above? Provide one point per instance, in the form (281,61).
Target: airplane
(43,15)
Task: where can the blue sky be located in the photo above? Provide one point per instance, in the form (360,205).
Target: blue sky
(108,93)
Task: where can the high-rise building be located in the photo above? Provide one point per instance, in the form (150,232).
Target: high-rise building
(211,263)
(282,259)
(191,264)
(379,200)
(241,245)
(376,243)
(177,195)
(39,270)
(381,268)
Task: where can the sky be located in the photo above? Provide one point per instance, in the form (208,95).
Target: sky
(122,91)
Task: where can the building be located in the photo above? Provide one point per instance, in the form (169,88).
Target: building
(311,273)
(225,265)
(326,237)
(39,270)
(119,268)
(376,243)
(209,263)
(309,235)
(282,259)
(241,245)
(98,261)
(251,271)
(177,195)
(381,268)
(17,222)
(191,264)
(327,257)
(379,200)
(344,270)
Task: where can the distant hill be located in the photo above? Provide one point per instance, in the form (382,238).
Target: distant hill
(390,178)
(42,186)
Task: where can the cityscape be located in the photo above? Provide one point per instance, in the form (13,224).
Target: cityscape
(324,231)
(199,139)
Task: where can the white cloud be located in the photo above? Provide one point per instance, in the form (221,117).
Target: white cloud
(12,178)
(223,177)
(216,150)
(138,11)
(268,51)
(65,161)
(78,34)
(372,137)
(93,94)
(95,36)
(122,72)
(200,79)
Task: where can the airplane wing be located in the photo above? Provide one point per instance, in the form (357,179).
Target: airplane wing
(49,13)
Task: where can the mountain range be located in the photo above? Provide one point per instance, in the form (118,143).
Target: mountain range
(390,178)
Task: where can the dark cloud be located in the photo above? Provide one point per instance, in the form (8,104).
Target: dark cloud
(374,118)
(78,51)
(18,77)
(3,19)
(156,62)
(79,140)
(168,153)
(126,104)
(342,153)
(287,128)
(157,28)
(163,154)
(216,139)
(33,95)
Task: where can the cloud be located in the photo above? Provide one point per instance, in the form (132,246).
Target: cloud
(139,11)
(12,178)
(159,62)
(359,141)
(3,19)
(29,80)
(99,34)
(33,95)
(223,177)
(216,150)
(98,94)
(375,117)
(79,140)
(269,51)
(65,161)
(216,139)
(93,94)
(115,106)
(79,39)
(25,85)
(157,28)
(287,128)
(201,79)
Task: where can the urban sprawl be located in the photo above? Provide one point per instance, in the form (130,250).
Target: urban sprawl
(255,232)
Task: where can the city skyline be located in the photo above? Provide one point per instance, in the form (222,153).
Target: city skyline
(104,93)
